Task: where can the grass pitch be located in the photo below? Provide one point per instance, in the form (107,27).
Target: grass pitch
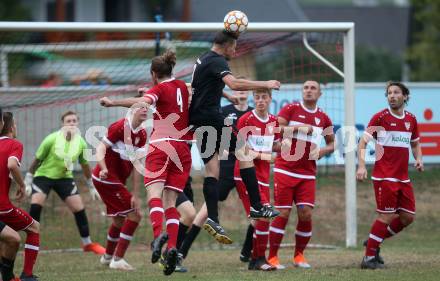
(413,255)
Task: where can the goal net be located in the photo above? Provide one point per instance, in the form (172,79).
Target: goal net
(47,69)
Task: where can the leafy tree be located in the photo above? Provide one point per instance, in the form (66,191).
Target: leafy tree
(12,10)
(423,54)
(377,65)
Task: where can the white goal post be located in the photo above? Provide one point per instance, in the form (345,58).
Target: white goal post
(348,74)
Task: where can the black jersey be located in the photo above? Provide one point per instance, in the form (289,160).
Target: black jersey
(227,165)
(232,113)
(207,85)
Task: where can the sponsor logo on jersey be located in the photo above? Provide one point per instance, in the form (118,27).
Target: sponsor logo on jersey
(232,116)
(263,142)
(393,124)
(301,116)
(400,139)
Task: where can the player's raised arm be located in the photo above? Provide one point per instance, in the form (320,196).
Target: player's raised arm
(127,102)
(237,84)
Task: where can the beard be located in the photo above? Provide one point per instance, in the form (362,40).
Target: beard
(396,105)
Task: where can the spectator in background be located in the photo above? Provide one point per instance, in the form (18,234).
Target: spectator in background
(94,77)
(53,80)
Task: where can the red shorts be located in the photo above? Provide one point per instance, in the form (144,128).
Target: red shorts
(16,218)
(116,198)
(289,189)
(392,197)
(242,193)
(168,162)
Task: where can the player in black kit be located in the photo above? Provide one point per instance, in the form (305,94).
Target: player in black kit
(226,183)
(211,73)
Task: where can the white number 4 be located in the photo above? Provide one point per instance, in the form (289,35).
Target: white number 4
(179,99)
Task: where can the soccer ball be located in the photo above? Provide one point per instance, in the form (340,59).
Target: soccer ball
(235,22)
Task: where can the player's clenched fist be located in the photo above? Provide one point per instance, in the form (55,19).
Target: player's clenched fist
(103,174)
(273,84)
(361,173)
(105,101)
(419,165)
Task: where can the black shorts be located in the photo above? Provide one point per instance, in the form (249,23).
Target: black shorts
(186,195)
(2,226)
(181,198)
(63,187)
(210,140)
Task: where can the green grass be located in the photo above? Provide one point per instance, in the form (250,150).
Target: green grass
(342,264)
(412,255)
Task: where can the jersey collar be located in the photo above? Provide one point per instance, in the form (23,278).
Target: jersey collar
(4,137)
(309,110)
(168,80)
(397,116)
(258,117)
(134,130)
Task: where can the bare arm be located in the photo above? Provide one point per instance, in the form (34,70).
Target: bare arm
(86,171)
(246,85)
(233,99)
(136,182)
(361,173)
(288,131)
(128,102)
(100,155)
(417,153)
(88,175)
(137,178)
(263,155)
(34,166)
(14,169)
(276,146)
(329,147)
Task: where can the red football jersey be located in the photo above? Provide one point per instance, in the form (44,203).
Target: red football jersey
(299,165)
(260,135)
(170,98)
(9,148)
(124,141)
(394,135)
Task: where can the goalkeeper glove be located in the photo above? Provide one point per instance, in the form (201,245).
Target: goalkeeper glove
(28,179)
(93,192)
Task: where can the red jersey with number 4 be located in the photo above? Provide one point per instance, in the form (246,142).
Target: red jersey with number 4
(260,135)
(394,135)
(298,164)
(170,99)
(9,148)
(124,142)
